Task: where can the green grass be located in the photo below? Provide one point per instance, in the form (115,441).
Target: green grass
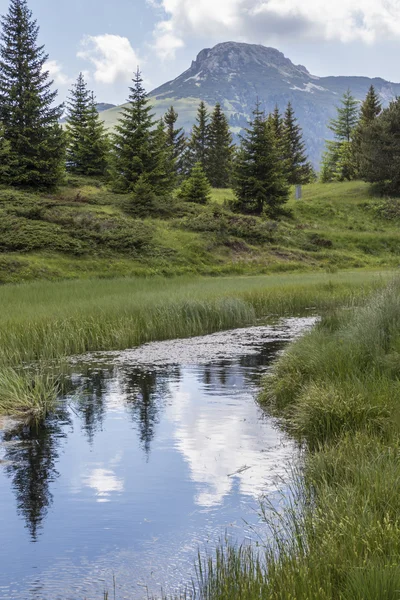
(84,230)
(338,391)
(41,323)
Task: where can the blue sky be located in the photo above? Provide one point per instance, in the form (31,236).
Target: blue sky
(107,40)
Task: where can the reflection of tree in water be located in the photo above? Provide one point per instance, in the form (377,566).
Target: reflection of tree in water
(32,454)
(90,405)
(146,392)
(245,369)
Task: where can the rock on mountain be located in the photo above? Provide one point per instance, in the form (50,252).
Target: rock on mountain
(237,74)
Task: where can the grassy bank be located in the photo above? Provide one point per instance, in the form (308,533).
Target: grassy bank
(43,322)
(338,391)
(84,230)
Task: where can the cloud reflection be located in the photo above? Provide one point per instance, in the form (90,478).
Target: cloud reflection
(226,442)
(104,482)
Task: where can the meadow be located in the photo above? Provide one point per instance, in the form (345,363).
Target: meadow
(84,231)
(43,323)
(337,391)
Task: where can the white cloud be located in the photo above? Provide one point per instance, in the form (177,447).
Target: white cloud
(56,73)
(268,20)
(113,57)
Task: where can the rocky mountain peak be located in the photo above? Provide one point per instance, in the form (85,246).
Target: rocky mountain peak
(237,57)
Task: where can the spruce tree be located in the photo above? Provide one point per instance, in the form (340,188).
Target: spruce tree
(298,169)
(97,142)
(77,116)
(163,176)
(88,144)
(199,143)
(134,148)
(27,111)
(176,142)
(277,122)
(369,111)
(260,183)
(339,160)
(347,118)
(197,187)
(220,153)
(370,108)
(380,150)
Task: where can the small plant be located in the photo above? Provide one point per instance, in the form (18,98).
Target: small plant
(196,188)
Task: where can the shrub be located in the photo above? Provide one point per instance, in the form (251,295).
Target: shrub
(196,188)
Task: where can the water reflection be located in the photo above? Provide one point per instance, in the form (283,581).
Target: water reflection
(145,394)
(144,462)
(31,455)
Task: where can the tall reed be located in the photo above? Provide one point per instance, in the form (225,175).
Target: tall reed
(43,322)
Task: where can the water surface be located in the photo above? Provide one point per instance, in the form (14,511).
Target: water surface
(156,452)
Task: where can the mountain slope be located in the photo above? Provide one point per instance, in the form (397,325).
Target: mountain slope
(236,74)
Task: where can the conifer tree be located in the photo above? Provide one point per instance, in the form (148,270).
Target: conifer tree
(260,183)
(220,153)
(199,142)
(134,148)
(298,169)
(164,175)
(77,116)
(176,141)
(370,108)
(88,145)
(197,187)
(339,160)
(97,142)
(277,122)
(380,150)
(369,111)
(27,111)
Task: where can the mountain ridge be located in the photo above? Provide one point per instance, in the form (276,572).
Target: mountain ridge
(236,74)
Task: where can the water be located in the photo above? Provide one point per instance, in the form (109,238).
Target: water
(155,453)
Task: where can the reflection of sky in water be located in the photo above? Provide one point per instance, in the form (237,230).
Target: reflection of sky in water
(144,466)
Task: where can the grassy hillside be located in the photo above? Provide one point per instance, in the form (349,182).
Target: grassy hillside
(84,231)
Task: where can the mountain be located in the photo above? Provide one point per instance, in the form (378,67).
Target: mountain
(236,74)
(102,106)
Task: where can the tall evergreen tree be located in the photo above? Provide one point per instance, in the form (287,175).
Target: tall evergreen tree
(88,144)
(77,116)
(27,111)
(176,141)
(219,167)
(370,108)
(347,118)
(380,150)
(369,111)
(277,122)
(134,148)
(260,183)
(164,175)
(199,142)
(299,170)
(339,160)
(98,142)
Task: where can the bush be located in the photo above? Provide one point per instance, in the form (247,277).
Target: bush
(196,188)
(218,220)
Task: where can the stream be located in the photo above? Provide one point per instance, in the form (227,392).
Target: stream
(156,452)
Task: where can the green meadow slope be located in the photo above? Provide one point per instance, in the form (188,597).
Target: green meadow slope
(84,231)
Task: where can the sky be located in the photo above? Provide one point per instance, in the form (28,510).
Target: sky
(108,40)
